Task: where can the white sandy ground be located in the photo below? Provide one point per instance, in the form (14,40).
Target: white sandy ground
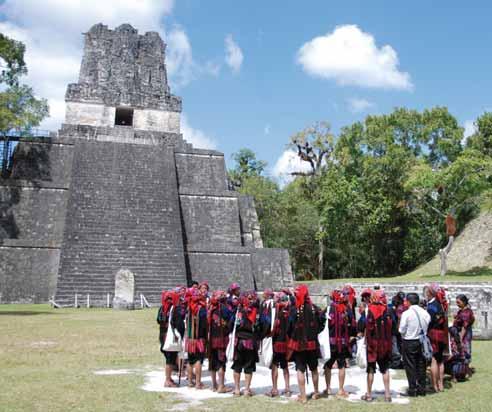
(355,384)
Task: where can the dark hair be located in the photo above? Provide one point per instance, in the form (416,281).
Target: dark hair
(194,283)
(463,298)
(413,298)
(398,299)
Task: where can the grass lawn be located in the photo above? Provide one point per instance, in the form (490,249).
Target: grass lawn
(482,274)
(48,358)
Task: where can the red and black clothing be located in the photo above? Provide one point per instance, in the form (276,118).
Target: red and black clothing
(438,329)
(341,323)
(379,331)
(248,333)
(176,322)
(219,317)
(196,334)
(305,323)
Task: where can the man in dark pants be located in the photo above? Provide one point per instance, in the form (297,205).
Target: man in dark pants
(412,323)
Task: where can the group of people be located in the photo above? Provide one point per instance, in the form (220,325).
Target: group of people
(239,327)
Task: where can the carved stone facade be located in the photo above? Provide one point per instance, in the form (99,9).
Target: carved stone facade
(119,188)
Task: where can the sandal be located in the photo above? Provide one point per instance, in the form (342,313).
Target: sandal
(327,392)
(248,393)
(342,394)
(388,399)
(201,386)
(170,384)
(366,398)
(287,394)
(236,394)
(272,394)
(224,389)
(315,396)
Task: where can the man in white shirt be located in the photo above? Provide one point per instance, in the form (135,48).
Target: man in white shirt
(414,321)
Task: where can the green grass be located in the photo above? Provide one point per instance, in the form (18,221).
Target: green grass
(480,274)
(57,375)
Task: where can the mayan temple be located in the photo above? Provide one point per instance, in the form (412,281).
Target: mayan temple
(119,188)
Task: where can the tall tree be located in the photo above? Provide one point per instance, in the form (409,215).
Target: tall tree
(245,165)
(481,140)
(315,145)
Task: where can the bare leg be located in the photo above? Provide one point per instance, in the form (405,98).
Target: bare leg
(435,374)
(341,382)
(190,374)
(441,376)
(386,381)
(370,381)
(221,379)
(198,375)
(248,377)
(169,372)
(237,383)
(287,379)
(328,381)
(315,376)
(213,375)
(301,381)
(274,379)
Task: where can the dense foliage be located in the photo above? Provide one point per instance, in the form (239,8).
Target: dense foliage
(20,110)
(376,204)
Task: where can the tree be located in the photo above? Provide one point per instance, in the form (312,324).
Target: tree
(20,110)
(246,165)
(481,140)
(315,145)
(13,65)
(454,191)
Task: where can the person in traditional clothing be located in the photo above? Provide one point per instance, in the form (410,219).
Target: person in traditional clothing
(204,289)
(379,331)
(463,322)
(306,322)
(233,295)
(437,306)
(279,338)
(455,365)
(342,326)
(167,323)
(219,317)
(247,335)
(396,308)
(196,336)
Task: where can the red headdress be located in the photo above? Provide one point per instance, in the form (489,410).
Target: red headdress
(378,303)
(350,294)
(339,300)
(302,295)
(248,302)
(268,293)
(440,294)
(195,300)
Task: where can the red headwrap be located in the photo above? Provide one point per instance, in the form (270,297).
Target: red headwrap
(302,295)
(338,299)
(350,294)
(440,294)
(195,300)
(248,302)
(378,303)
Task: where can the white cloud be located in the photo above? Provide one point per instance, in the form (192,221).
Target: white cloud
(195,136)
(351,57)
(267,129)
(179,58)
(234,55)
(357,105)
(470,128)
(287,163)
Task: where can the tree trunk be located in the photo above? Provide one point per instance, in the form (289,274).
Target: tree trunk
(443,254)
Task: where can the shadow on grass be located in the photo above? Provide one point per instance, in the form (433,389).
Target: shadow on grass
(23,313)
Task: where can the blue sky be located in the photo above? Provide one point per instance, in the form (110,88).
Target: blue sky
(441,56)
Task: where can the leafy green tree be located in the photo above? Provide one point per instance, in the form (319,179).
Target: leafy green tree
(13,64)
(482,139)
(245,165)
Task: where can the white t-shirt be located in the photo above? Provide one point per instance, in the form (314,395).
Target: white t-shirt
(409,323)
